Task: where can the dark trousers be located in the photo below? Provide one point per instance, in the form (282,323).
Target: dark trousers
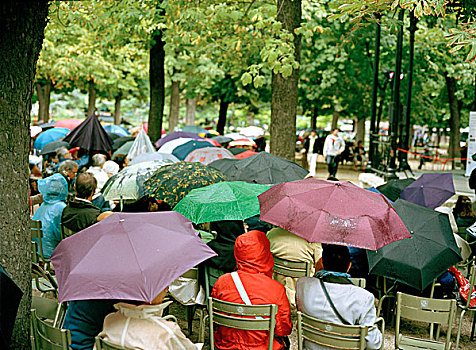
(331,165)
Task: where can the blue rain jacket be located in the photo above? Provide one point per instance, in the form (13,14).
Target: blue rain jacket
(54,190)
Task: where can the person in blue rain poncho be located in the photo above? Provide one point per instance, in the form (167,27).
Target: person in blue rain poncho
(54,190)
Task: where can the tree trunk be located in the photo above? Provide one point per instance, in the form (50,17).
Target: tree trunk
(335,118)
(117,109)
(222,115)
(455,122)
(284,91)
(157,86)
(44,93)
(20,43)
(91,97)
(360,133)
(314,118)
(174,105)
(191,108)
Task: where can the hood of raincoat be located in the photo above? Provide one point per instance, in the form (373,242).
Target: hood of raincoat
(53,188)
(252,253)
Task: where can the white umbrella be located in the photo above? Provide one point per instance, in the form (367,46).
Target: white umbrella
(147,157)
(252,131)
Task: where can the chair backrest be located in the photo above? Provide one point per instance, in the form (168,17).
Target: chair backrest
(48,309)
(192,273)
(239,316)
(427,310)
(472,282)
(66,232)
(290,268)
(336,336)
(101,344)
(48,337)
(211,276)
(36,232)
(43,280)
(359,282)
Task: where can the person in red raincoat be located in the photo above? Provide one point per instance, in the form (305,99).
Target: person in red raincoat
(255,270)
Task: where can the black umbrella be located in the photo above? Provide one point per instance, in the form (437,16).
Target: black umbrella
(90,135)
(51,147)
(113,136)
(237,150)
(121,141)
(418,260)
(393,188)
(10,296)
(262,168)
(222,139)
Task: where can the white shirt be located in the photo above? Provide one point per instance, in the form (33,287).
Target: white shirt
(333,145)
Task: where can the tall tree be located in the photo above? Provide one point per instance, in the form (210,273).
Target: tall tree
(284,89)
(23,24)
(157,86)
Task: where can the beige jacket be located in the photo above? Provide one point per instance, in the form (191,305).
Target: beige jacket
(142,327)
(287,245)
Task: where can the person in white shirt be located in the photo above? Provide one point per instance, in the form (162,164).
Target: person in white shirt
(310,147)
(352,305)
(333,147)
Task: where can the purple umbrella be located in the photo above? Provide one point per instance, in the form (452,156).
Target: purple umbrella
(127,256)
(176,135)
(430,190)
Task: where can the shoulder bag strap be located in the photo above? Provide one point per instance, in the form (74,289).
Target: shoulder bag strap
(343,320)
(241,290)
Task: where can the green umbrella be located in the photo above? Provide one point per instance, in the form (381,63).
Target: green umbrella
(231,200)
(123,150)
(173,182)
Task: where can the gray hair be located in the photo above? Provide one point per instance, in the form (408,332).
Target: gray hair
(86,185)
(62,151)
(67,166)
(99,159)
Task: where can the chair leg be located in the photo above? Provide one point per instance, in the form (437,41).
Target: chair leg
(190,315)
(459,329)
(472,327)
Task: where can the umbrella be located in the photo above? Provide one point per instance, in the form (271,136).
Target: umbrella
(127,256)
(194,129)
(394,187)
(49,125)
(173,182)
(237,150)
(228,200)
(123,150)
(335,212)
(113,136)
(207,155)
(68,123)
(173,144)
(141,145)
(234,135)
(430,190)
(373,189)
(35,130)
(117,129)
(245,154)
(53,146)
(147,157)
(209,133)
(90,135)
(128,183)
(242,142)
(10,295)
(222,140)
(183,150)
(48,136)
(429,252)
(120,141)
(252,131)
(262,168)
(213,142)
(176,135)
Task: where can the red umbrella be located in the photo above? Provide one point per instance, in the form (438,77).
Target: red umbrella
(68,123)
(245,154)
(335,212)
(213,142)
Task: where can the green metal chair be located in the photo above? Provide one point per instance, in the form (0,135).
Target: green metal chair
(239,316)
(332,335)
(427,310)
(48,309)
(36,232)
(101,344)
(47,337)
(466,306)
(211,276)
(290,268)
(43,281)
(359,282)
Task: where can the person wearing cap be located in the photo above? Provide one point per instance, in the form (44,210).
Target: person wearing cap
(334,145)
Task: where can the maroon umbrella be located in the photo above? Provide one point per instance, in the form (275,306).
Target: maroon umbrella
(90,135)
(335,212)
(430,190)
(127,256)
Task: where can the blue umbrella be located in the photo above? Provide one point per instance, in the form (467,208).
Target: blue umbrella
(183,150)
(48,136)
(193,128)
(117,129)
(430,190)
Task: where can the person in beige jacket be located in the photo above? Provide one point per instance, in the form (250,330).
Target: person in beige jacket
(143,327)
(287,245)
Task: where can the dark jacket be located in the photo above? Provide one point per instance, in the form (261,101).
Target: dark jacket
(315,148)
(79,214)
(224,244)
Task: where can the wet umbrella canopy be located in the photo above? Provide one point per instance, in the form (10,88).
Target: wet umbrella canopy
(176,135)
(53,146)
(10,296)
(207,155)
(120,141)
(430,190)
(90,135)
(429,252)
(48,136)
(393,188)
(183,150)
(335,212)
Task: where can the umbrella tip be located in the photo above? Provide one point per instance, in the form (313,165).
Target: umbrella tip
(121,220)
